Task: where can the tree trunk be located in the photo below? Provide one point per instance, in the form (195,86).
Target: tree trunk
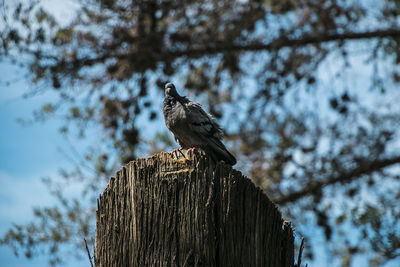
(164,211)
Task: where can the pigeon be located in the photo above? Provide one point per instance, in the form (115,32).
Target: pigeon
(192,127)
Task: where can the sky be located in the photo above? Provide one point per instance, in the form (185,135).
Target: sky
(30,152)
(27,154)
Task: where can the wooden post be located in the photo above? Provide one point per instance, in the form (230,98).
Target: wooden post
(162,211)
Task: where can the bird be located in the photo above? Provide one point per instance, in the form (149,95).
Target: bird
(192,127)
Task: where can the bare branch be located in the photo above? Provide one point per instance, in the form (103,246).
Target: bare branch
(209,50)
(88,252)
(298,264)
(304,40)
(314,186)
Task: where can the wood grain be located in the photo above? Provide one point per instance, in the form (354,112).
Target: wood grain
(171,211)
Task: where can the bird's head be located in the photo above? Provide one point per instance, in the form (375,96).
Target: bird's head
(170,90)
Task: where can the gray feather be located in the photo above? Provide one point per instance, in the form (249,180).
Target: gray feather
(191,126)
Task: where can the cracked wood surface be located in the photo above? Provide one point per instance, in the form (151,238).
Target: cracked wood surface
(170,211)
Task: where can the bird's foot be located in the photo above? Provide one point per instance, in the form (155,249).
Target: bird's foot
(191,149)
(176,150)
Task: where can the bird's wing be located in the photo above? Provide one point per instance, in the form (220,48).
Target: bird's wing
(201,122)
(207,129)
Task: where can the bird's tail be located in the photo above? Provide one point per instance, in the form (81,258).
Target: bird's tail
(220,152)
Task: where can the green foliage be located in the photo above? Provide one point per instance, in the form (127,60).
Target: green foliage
(277,74)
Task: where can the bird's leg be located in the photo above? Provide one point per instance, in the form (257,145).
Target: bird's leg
(192,149)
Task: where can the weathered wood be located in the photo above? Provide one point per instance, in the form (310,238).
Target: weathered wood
(162,211)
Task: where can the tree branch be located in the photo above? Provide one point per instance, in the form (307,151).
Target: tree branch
(220,48)
(313,186)
(285,42)
(88,252)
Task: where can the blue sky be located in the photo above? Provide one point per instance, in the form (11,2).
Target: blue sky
(27,154)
